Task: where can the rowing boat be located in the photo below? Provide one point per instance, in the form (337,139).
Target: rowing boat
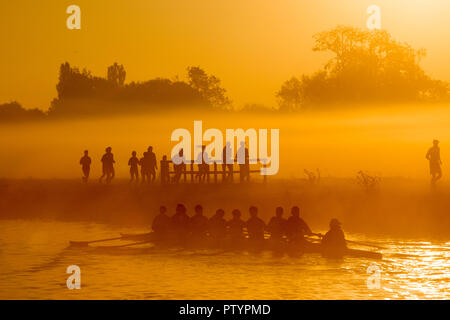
(315,248)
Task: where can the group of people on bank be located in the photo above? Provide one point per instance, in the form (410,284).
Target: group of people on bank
(145,168)
(148,166)
(253,233)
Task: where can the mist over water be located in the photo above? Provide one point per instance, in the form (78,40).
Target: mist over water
(390,142)
(405,218)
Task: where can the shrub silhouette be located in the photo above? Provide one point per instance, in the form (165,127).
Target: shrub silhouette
(14,112)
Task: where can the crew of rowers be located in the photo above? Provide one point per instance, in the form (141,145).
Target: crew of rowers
(216,231)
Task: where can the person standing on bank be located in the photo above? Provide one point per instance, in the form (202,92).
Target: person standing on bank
(134,167)
(85,163)
(108,166)
(153,165)
(434,158)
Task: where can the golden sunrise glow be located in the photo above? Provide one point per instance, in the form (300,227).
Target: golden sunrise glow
(253,46)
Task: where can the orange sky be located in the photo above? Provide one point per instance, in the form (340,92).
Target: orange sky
(252,45)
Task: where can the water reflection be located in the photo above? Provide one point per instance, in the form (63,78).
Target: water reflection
(34,256)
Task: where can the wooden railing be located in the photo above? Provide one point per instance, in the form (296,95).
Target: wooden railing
(188,170)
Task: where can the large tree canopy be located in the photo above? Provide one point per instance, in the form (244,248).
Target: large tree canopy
(366,66)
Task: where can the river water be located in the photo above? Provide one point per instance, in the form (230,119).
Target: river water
(34,256)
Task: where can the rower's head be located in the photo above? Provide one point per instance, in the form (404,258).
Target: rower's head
(435,142)
(108,150)
(162,209)
(295,211)
(236,214)
(86,152)
(134,153)
(335,224)
(279,212)
(150,149)
(253,211)
(199,210)
(220,213)
(180,209)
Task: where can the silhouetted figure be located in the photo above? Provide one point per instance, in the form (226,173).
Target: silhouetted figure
(180,225)
(153,165)
(434,158)
(227,163)
(217,227)
(108,166)
(165,175)
(145,164)
(203,161)
(162,224)
(333,243)
(198,226)
(134,167)
(255,228)
(242,158)
(85,163)
(297,227)
(178,165)
(277,225)
(236,229)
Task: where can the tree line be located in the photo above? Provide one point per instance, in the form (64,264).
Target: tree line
(79,94)
(366,67)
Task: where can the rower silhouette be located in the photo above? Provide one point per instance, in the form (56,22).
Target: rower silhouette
(180,222)
(198,226)
(217,227)
(277,225)
(108,166)
(297,228)
(134,170)
(161,225)
(255,229)
(85,163)
(434,157)
(236,229)
(333,243)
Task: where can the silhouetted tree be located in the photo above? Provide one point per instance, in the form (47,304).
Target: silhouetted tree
(81,94)
(117,74)
(208,86)
(366,66)
(290,95)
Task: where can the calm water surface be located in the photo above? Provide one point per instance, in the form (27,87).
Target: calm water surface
(34,256)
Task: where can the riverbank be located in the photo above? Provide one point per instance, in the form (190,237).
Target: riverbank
(399,208)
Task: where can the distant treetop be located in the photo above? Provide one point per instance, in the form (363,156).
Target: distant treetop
(367,66)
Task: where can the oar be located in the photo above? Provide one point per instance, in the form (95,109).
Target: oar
(355,242)
(365,244)
(85,243)
(125,245)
